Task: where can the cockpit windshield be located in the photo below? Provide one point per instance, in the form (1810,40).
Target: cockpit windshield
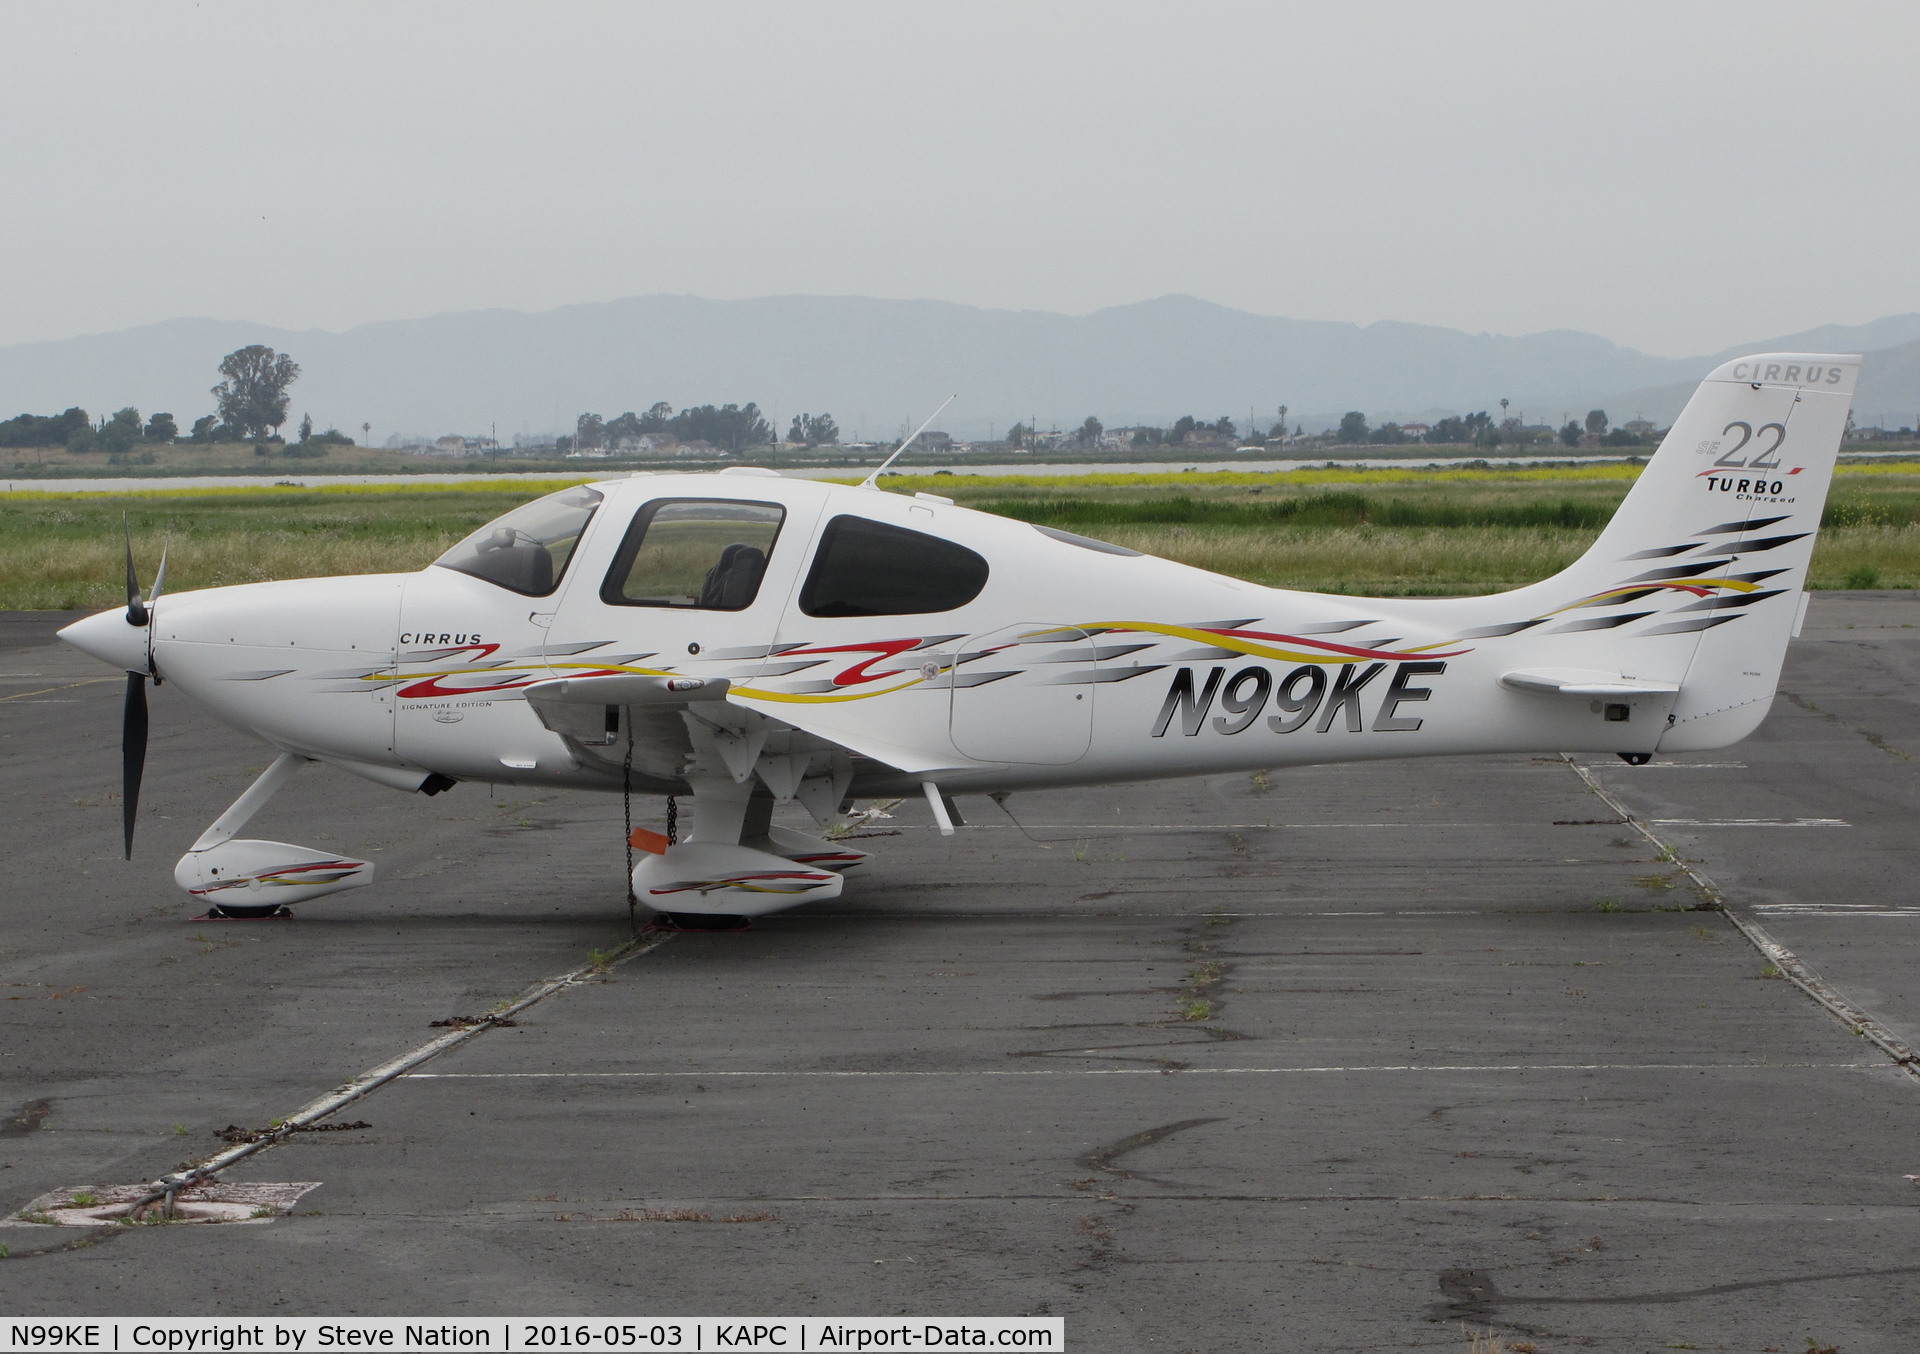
(527,550)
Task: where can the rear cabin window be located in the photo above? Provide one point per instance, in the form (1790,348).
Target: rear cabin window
(705,554)
(867,568)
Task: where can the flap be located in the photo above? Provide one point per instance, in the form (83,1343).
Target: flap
(1584,684)
(851,735)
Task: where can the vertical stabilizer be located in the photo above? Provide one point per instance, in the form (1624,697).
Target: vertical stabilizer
(1699,575)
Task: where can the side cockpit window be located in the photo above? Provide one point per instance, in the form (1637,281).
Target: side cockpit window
(868,568)
(703,553)
(527,550)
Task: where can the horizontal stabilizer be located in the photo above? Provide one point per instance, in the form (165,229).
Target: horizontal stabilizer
(1583,684)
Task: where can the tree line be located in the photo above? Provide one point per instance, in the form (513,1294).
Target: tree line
(1469,429)
(251,400)
(1480,430)
(731,427)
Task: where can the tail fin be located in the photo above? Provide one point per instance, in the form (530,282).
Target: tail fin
(1698,579)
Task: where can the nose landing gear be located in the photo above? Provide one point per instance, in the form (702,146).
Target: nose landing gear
(248,880)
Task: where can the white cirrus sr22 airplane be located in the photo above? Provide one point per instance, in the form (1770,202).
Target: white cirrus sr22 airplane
(748,640)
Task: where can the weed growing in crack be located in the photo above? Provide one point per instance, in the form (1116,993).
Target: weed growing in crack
(1197,1009)
(1772,971)
(1611,905)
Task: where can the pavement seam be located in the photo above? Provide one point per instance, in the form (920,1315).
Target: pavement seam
(810,1073)
(1791,966)
(394,1068)
(22,695)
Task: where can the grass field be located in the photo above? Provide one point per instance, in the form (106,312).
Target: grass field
(1400,532)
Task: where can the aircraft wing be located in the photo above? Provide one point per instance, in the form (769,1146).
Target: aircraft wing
(676,722)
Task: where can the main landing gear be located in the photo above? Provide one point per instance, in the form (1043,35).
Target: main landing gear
(733,864)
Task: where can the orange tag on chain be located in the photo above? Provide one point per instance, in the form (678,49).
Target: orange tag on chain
(643,840)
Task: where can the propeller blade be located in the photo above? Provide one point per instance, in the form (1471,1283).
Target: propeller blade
(133,752)
(159,579)
(136,609)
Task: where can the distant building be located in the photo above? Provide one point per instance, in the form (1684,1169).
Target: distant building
(455,445)
(1416,431)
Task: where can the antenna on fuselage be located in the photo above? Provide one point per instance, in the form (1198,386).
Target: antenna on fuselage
(868,482)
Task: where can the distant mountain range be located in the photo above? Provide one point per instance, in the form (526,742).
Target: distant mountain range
(876,365)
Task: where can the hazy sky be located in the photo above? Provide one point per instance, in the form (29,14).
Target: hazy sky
(1676,177)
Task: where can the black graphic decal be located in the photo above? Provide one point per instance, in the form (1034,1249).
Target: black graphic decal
(1770,543)
(1193,712)
(1296,708)
(1735,528)
(1389,722)
(1243,710)
(1346,691)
